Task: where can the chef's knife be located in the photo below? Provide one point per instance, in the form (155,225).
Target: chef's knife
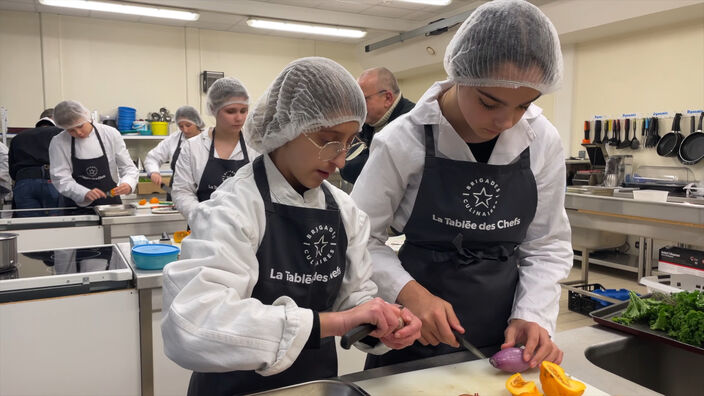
(467,345)
(355,335)
(166,188)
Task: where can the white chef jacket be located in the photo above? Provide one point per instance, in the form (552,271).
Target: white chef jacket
(387,187)
(122,169)
(189,169)
(211,323)
(5,180)
(163,152)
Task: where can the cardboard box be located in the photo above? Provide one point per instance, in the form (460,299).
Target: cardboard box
(145,188)
(677,260)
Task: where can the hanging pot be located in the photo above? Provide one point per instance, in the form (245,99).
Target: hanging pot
(8,250)
(669,145)
(692,147)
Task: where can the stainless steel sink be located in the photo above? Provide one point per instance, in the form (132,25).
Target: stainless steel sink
(660,367)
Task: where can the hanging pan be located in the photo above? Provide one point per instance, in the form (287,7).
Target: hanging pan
(692,147)
(669,145)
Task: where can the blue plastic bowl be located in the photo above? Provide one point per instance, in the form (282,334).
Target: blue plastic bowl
(154,256)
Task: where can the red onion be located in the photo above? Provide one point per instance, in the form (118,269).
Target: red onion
(509,360)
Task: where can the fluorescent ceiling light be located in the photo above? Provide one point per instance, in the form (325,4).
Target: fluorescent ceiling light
(429,2)
(305,28)
(124,8)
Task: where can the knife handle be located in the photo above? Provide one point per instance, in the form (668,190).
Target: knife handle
(355,335)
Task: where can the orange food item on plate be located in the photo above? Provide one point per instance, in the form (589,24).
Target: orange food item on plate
(520,387)
(143,202)
(154,200)
(556,383)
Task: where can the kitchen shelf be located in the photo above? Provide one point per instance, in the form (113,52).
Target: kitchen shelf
(621,261)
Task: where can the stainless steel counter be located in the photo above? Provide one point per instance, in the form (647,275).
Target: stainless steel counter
(684,212)
(144,279)
(118,229)
(572,342)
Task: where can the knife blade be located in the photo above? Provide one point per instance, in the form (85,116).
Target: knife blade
(467,345)
(166,188)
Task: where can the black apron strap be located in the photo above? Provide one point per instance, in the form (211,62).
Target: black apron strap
(429,142)
(262,182)
(244,147)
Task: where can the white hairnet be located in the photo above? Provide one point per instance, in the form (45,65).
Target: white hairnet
(191,114)
(309,94)
(504,32)
(226,91)
(70,114)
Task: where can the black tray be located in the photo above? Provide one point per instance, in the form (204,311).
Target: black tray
(318,388)
(604,317)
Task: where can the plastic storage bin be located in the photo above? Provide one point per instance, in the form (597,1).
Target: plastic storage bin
(585,304)
(160,128)
(650,195)
(673,283)
(154,256)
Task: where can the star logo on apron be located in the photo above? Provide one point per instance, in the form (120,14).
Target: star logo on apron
(481,196)
(92,171)
(318,248)
(228,174)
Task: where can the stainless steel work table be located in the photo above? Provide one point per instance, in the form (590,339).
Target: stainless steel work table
(671,221)
(573,342)
(142,223)
(146,282)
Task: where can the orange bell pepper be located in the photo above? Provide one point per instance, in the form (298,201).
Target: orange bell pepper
(520,387)
(556,383)
(154,200)
(142,201)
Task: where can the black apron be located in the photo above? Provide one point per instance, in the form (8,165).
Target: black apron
(303,256)
(461,244)
(93,173)
(217,170)
(174,158)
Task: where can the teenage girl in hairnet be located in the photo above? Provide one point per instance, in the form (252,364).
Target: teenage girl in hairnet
(474,175)
(190,124)
(208,159)
(90,164)
(277,262)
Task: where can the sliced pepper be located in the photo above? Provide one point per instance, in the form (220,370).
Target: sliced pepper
(520,387)
(556,383)
(154,200)
(142,202)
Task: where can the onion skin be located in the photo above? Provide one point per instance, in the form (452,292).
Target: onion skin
(509,360)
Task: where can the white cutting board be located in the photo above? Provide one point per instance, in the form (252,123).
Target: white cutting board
(453,380)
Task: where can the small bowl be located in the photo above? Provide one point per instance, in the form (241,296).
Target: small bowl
(154,256)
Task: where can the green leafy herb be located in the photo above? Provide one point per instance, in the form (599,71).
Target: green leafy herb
(680,315)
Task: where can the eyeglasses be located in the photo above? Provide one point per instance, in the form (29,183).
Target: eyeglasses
(376,93)
(331,150)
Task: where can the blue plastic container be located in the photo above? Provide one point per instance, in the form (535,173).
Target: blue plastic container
(154,256)
(125,117)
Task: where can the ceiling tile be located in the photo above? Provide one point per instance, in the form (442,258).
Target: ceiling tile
(26,5)
(388,12)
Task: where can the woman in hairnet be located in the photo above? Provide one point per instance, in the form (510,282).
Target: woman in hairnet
(277,263)
(474,175)
(90,164)
(210,158)
(190,124)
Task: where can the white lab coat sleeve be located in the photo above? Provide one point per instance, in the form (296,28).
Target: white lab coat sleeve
(357,286)
(210,323)
(546,253)
(158,155)
(185,187)
(126,169)
(61,170)
(378,192)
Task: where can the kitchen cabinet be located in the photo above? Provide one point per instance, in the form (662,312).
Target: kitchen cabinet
(69,324)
